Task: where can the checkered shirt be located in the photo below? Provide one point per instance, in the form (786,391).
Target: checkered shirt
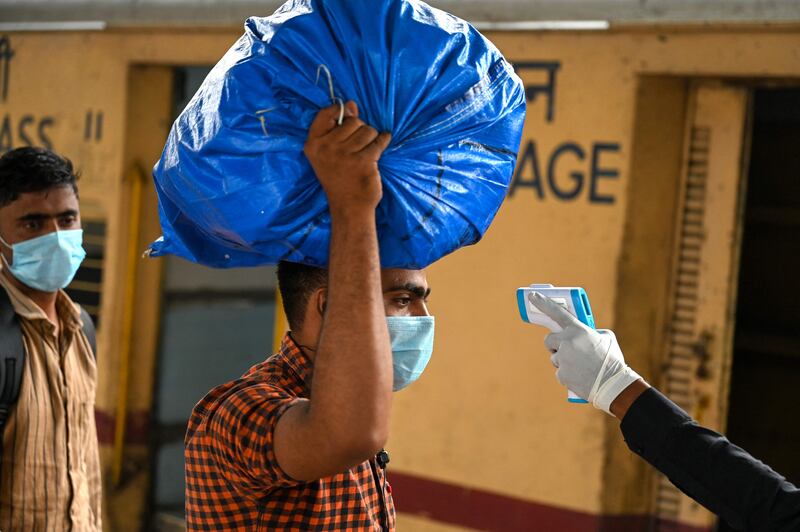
(234,482)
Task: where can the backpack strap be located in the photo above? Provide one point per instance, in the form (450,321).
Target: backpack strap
(12,354)
(89,331)
(12,357)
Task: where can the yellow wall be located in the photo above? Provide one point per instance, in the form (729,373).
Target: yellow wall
(488,409)
(488,413)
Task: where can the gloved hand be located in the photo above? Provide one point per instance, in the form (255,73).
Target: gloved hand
(588,362)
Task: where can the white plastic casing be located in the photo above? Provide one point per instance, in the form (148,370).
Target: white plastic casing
(572,298)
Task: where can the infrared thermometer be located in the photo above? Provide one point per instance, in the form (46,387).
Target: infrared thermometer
(572,298)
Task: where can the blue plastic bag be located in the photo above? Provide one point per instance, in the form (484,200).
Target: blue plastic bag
(235,188)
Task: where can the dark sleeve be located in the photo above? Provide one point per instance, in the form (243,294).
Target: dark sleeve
(724,478)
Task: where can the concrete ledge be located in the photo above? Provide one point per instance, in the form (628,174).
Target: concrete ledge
(233,12)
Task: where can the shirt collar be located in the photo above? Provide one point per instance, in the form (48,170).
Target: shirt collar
(300,363)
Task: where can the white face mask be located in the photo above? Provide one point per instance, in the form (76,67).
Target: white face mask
(49,262)
(412,346)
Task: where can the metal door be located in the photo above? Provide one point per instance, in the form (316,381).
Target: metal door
(703,288)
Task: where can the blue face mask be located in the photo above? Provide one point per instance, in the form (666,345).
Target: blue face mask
(412,345)
(47,263)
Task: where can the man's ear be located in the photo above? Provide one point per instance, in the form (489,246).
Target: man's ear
(321,301)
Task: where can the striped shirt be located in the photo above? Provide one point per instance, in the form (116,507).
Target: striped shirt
(234,482)
(50,476)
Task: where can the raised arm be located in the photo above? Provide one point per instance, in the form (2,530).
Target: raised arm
(703,464)
(346,419)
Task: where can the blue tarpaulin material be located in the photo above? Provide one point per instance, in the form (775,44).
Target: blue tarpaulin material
(235,188)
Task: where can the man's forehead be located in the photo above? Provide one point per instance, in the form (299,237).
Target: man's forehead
(53,200)
(397,277)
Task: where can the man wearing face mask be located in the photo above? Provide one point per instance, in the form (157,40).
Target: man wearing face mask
(50,474)
(297,442)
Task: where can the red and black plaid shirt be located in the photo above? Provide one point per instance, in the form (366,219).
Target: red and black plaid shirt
(234,482)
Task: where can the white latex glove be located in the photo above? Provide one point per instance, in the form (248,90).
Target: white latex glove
(588,362)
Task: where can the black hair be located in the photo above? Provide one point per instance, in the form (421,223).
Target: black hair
(33,170)
(297,282)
